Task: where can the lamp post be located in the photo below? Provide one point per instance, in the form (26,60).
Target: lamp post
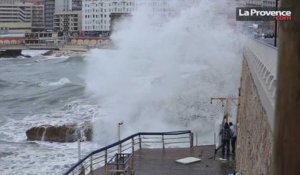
(79,146)
(80,138)
(119,134)
(119,130)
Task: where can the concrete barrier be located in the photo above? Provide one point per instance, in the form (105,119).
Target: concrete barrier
(255,119)
(262,61)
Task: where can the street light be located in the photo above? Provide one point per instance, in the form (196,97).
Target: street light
(119,134)
(80,139)
(119,130)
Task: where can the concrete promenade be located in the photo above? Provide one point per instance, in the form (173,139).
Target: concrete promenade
(162,162)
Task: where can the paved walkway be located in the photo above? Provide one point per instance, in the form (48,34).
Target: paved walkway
(162,162)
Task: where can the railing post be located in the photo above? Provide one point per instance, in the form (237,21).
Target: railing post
(163,141)
(91,164)
(132,144)
(191,139)
(140,141)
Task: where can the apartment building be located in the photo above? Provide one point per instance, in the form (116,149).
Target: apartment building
(38,23)
(63,5)
(253,3)
(68,22)
(49,14)
(21,18)
(76,5)
(96,14)
(269,3)
(261,3)
(163,8)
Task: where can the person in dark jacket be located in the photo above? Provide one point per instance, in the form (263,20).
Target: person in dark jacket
(226,135)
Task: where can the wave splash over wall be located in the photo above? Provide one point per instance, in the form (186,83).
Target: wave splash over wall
(164,72)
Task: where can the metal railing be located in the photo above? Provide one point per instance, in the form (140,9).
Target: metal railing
(99,158)
(120,163)
(262,61)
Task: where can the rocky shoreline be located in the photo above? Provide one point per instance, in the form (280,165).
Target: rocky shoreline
(55,53)
(12,54)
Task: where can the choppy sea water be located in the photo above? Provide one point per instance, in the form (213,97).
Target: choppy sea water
(37,91)
(53,90)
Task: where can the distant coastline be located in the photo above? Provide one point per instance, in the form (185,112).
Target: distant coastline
(63,50)
(55,53)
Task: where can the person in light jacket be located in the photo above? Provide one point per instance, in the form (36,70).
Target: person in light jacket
(233,138)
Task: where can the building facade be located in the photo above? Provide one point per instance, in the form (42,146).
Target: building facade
(76,5)
(38,23)
(49,13)
(68,22)
(253,3)
(96,14)
(41,38)
(260,3)
(269,3)
(163,8)
(63,5)
(21,18)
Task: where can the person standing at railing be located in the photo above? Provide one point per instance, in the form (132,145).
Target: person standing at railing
(233,138)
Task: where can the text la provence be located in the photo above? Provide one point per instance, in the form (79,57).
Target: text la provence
(255,12)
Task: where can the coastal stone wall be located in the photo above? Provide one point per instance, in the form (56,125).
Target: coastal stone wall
(254,144)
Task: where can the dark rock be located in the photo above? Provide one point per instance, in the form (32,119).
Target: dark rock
(64,133)
(26,56)
(48,53)
(87,128)
(10,53)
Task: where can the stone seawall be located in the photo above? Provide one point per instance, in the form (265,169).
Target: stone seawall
(254,144)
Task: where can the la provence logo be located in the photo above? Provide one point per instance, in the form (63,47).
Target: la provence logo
(263,14)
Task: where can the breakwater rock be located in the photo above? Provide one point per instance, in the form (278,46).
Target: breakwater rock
(63,133)
(10,53)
